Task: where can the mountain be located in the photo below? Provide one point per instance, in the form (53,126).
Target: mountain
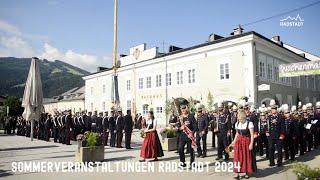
(57,76)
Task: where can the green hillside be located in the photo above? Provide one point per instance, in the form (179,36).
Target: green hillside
(57,76)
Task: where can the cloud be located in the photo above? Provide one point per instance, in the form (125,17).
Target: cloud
(16,43)
(84,61)
(15,46)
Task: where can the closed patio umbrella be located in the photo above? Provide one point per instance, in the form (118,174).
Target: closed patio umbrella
(33,95)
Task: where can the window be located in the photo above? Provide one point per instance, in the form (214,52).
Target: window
(128,104)
(91,90)
(103,89)
(180,77)
(314,82)
(149,82)
(224,71)
(159,110)
(191,76)
(103,106)
(298,82)
(262,70)
(269,68)
(276,72)
(307,81)
(168,79)
(140,83)
(262,65)
(128,85)
(289,100)
(158,80)
(145,109)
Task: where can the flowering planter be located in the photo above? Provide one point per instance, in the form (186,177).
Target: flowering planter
(169,144)
(85,154)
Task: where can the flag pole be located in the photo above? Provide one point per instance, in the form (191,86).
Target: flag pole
(115,93)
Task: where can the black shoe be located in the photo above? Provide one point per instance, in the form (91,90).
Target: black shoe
(184,165)
(271,164)
(279,164)
(218,158)
(199,155)
(142,160)
(129,148)
(203,156)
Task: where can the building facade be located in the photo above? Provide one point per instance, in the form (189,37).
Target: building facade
(72,99)
(244,64)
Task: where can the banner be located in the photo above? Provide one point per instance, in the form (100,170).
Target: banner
(298,69)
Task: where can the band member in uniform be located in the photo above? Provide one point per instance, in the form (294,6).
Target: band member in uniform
(234,119)
(275,134)
(174,122)
(223,130)
(68,127)
(119,128)
(317,125)
(202,131)
(213,125)
(105,126)
(263,139)
(188,126)
(290,134)
(99,124)
(309,136)
(55,130)
(94,119)
(112,128)
(48,127)
(151,147)
(302,131)
(87,121)
(243,145)
(128,127)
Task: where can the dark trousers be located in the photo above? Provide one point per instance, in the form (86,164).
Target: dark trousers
(302,145)
(127,139)
(182,143)
(55,134)
(309,139)
(119,138)
(317,138)
(272,143)
(112,139)
(203,150)
(213,139)
(263,143)
(288,146)
(222,144)
(67,136)
(62,136)
(105,137)
(47,135)
(178,138)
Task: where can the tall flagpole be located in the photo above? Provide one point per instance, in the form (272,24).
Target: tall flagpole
(115,34)
(115,93)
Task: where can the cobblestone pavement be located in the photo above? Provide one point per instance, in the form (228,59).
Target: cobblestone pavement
(21,149)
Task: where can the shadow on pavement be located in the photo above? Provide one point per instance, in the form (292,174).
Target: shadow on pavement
(31,147)
(4,173)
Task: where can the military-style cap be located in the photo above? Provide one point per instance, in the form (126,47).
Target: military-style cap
(318,105)
(273,104)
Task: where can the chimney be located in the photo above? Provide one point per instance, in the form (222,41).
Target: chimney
(213,37)
(238,30)
(173,48)
(276,39)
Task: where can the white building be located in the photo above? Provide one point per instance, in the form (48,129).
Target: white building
(244,64)
(72,99)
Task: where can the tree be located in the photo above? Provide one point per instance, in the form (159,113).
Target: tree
(209,101)
(14,104)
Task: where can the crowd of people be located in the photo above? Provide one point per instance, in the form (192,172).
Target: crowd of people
(248,131)
(65,126)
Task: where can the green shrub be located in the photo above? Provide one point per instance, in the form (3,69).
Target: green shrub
(303,171)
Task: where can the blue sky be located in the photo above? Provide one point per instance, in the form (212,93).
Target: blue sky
(80,32)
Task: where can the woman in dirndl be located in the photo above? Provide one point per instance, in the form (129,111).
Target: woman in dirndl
(151,147)
(243,145)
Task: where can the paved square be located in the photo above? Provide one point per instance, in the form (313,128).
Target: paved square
(17,148)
